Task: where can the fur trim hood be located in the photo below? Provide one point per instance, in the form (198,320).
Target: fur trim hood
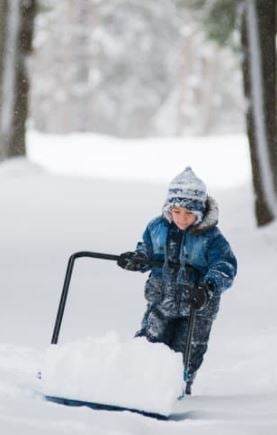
(210,217)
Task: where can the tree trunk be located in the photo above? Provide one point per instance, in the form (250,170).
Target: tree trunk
(2,34)
(259,73)
(16,43)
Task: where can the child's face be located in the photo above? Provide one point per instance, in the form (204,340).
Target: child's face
(183,218)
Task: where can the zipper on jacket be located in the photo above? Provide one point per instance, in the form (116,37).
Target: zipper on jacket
(178,285)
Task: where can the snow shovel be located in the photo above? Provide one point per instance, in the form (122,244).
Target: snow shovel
(56,333)
(67,280)
(189,342)
(57,327)
(192,314)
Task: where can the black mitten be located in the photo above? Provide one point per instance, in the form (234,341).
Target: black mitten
(131,261)
(202,295)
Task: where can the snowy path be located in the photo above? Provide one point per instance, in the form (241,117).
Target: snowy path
(23,410)
(236,391)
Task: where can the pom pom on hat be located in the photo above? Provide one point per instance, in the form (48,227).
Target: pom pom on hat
(188,191)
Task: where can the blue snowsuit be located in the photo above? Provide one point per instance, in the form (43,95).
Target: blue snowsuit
(168,288)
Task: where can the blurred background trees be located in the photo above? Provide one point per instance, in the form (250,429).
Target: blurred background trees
(16,34)
(258,36)
(133,68)
(256,23)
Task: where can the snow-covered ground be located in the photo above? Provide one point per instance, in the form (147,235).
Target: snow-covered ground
(97,193)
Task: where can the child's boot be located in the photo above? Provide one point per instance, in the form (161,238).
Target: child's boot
(189,383)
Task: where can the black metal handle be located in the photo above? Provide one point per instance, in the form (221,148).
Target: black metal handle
(187,351)
(67,280)
(69,270)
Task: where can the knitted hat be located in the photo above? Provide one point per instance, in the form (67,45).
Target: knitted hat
(188,191)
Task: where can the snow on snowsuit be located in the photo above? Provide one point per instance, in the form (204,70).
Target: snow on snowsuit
(168,288)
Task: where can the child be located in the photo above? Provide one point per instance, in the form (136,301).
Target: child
(186,234)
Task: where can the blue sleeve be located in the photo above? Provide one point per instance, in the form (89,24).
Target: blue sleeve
(222,264)
(145,247)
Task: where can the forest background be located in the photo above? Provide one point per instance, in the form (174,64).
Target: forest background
(135,69)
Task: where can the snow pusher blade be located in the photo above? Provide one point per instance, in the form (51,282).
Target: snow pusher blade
(105,407)
(106,374)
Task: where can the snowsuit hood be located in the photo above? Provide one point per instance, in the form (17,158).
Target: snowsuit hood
(210,217)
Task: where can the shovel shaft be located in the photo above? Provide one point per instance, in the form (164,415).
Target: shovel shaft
(68,275)
(189,342)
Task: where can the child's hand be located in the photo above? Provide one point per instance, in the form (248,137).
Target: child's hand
(201,296)
(131,261)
